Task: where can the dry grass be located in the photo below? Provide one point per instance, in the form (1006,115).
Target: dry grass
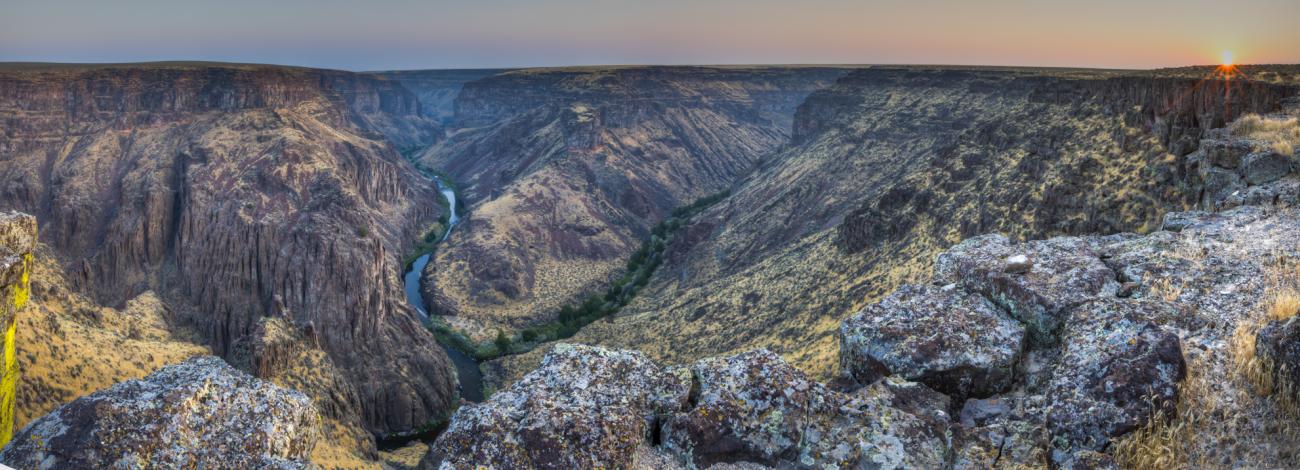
(1166,289)
(1281,135)
(1168,442)
(1237,404)
(1283,303)
(68,346)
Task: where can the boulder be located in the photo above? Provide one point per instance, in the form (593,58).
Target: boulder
(1219,184)
(1065,272)
(754,407)
(1278,344)
(201,413)
(585,407)
(1177,221)
(1265,167)
(1118,367)
(954,341)
(1001,444)
(1225,153)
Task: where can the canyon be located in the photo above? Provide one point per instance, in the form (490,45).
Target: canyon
(269,216)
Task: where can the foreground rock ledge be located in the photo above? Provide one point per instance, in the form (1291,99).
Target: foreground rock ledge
(201,413)
(1108,360)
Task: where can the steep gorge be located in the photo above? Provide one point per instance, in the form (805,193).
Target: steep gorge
(567,170)
(240,194)
(890,166)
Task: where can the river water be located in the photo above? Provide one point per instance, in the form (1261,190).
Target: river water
(471,377)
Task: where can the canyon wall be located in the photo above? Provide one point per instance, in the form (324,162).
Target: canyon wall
(436,90)
(890,166)
(567,170)
(238,193)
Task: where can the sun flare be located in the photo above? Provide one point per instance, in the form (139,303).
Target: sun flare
(1227,58)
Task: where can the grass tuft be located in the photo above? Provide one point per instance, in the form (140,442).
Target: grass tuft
(1224,405)
(1280,135)
(1167,442)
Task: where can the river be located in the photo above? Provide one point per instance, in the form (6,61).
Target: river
(471,377)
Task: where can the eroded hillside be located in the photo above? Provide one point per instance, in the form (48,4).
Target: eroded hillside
(567,170)
(890,166)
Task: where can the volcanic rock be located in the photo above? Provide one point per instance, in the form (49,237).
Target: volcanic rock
(1119,367)
(956,342)
(753,407)
(586,407)
(1066,272)
(198,414)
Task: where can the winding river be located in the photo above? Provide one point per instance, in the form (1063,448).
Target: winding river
(471,378)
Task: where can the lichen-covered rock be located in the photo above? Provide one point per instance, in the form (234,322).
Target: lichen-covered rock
(1000,444)
(1219,184)
(1118,367)
(954,341)
(754,407)
(1278,344)
(198,414)
(1176,221)
(585,407)
(1065,272)
(1265,167)
(1225,153)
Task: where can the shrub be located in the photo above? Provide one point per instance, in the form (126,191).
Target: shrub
(502,342)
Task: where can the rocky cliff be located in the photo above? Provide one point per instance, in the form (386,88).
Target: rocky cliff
(890,166)
(238,193)
(567,170)
(197,414)
(1070,352)
(436,90)
(17,242)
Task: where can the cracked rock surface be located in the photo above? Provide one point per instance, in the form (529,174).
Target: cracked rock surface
(201,413)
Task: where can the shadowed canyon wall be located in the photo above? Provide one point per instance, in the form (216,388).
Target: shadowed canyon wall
(239,193)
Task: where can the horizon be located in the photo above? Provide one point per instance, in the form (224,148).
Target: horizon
(219,63)
(394,35)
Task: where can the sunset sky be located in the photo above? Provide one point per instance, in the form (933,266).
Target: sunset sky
(405,34)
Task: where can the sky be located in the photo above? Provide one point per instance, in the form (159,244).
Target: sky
(411,34)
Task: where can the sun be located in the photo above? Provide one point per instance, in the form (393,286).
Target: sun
(1227,59)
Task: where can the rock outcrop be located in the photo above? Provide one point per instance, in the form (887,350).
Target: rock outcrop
(1121,356)
(953,341)
(238,193)
(589,407)
(17,243)
(198,414)
(1232,171)
(1119,365)
(584,408)
(1062,273)
(754,407)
